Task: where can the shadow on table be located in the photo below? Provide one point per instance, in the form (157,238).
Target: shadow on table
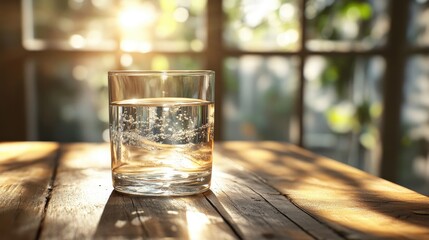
(134,216)
(127,216)
(294,171)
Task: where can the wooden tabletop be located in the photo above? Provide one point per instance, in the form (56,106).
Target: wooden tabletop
(260,190)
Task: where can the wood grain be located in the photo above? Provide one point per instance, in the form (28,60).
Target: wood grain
(353,203)
(287,219)
(189,217)
(26,171)
(84,206)
(260,190)
(258,211)
(81,191)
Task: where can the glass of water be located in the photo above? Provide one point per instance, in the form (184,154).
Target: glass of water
(161,131)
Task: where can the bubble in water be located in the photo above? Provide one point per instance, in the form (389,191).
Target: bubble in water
(152,145)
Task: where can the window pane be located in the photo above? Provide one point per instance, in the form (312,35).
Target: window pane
(343,106)
(162,25)
(346,25)
(161,62)
(418,30)
(253,25)
(72,24)
(132,25)
(69,97)
(259,97)
(415,126)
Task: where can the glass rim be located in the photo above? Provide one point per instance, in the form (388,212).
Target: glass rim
(160,72)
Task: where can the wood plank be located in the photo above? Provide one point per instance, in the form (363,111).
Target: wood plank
(353,203)
(258,211)
(84,205)
(190,217)
(26,170)
(81,190)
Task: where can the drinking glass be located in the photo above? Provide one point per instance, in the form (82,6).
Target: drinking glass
(161,131)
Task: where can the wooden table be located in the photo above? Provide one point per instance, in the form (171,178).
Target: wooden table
(260,190)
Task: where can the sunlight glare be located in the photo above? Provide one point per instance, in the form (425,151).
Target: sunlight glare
(95,36)
(287,12)
(181,14)
(25,151)
(77,41)
(245,34)
(349,29)
(126,60)
(137,16)
(257,11)
(197,222)
(289,37)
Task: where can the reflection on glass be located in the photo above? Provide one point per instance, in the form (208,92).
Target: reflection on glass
(418,30)
(415,126)
(259,97)
(70,98)
(131,25)
(271,25)
(346,25)
(343,107)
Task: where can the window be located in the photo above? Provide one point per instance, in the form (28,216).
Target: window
(346,79)
(308,72)
(68,61)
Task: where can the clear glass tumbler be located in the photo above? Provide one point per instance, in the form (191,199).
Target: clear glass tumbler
(161,131)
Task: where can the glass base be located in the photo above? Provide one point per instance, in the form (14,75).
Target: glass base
(161,185)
